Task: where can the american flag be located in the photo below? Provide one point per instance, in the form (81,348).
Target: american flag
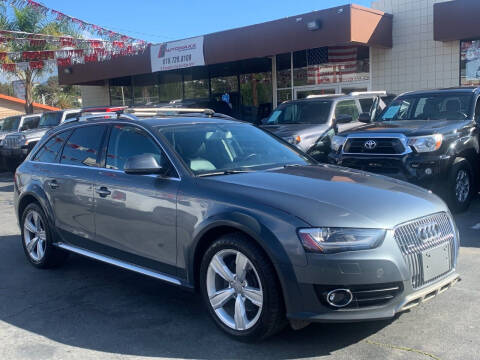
(331,64)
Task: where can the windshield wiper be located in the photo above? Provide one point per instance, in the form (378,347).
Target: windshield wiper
(225,172)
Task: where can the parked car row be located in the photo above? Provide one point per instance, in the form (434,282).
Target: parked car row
(429,138)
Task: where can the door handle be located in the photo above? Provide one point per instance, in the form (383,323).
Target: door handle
(53,184)
(103,191)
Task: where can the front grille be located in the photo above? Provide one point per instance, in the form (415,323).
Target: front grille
(11,142)
(412,245)
(364,296)
(386,146)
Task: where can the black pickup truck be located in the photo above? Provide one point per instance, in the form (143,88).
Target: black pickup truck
(430,138)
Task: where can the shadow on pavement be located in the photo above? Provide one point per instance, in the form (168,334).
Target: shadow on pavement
(99,307)
(469,225)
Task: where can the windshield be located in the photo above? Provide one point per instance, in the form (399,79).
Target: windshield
(429,107)
(305,112)
(10,123)
(50,119)
(217,148)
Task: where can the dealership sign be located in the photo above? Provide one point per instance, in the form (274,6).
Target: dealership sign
(177,54)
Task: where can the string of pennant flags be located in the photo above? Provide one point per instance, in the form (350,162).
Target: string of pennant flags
(83,25)
(71,50)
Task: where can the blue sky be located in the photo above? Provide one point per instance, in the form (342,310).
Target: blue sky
(163,20)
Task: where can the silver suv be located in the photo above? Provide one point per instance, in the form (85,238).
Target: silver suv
(311,123)
(262,231)
(16,124)
(16,145)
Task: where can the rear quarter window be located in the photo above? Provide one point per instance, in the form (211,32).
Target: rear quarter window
(49,151)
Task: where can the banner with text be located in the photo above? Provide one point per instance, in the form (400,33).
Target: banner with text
(177,54)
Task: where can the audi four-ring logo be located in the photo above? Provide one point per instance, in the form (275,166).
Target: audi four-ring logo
(428,231)
(370,144)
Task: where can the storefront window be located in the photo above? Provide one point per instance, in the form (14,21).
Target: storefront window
(224,84)
(300,68)
(284,95)
(470,63)
(170,86)
(145,89)
(331,65)
(121,92)
(196,84)
(256,95)
(284,71)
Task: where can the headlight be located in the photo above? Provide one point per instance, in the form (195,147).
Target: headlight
(333,240)
(294,140)
(426,143)
(338,142)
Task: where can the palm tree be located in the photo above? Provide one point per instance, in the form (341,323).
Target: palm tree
(32,21)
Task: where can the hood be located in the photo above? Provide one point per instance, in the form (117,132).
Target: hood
(327,195)
(5,133)
(288,130)
(35,133)
(410,127)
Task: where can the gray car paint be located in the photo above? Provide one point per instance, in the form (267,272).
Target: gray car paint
(270,206)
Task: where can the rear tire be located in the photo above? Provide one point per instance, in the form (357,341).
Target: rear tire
(460,186)
(248,302)
(37,239)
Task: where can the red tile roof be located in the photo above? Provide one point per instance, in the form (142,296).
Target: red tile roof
(21,101)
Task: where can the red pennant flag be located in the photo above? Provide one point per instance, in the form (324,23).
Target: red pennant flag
(37,65)
(62,62)
(9,67)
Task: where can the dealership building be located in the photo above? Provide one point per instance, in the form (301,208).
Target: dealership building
(396,45)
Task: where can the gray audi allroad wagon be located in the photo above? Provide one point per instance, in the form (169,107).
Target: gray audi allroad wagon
(263,232)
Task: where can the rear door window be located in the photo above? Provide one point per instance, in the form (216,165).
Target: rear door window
(83,147)
(49,152)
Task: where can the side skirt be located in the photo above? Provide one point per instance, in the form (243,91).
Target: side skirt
(121,264)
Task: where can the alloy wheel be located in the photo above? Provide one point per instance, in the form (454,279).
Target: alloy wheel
(234,289)
(34,235)
(462,186)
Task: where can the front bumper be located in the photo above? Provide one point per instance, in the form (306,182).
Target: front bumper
(380,280)
(16,155)
(426,170)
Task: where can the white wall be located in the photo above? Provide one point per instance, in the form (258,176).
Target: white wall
(415,61)
(95,95)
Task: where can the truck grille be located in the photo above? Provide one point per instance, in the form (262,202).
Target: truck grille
(11,142)
(410,243)
(386,146)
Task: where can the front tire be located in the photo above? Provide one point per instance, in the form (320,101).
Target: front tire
(460,186)
(37,239)
(240,289)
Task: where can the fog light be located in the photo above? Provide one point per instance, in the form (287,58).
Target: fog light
(339,298)
(428,171)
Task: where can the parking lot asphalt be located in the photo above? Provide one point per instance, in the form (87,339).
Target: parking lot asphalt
(89,310)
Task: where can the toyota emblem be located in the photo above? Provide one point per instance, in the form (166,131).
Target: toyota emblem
(370,144)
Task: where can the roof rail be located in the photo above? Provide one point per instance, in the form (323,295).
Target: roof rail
(103,116)
(168,111)
(378,93)
(323,96)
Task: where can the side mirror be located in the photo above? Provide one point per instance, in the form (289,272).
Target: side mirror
(364,117)
(344,118)
(144,164)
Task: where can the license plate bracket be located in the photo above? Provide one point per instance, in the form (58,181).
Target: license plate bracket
(436,261)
